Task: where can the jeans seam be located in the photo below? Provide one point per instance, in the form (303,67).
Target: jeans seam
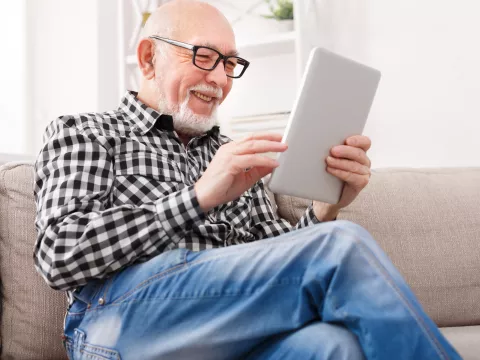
(101,349)
(176,268)
(93,355)
(171,271)
(187,297)
(369,256)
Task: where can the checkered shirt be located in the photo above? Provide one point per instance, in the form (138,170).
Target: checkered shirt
(117,188)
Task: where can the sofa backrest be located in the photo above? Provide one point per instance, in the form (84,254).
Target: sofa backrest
(32,321)
(428,222)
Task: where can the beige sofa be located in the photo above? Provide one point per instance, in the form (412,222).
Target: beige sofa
(428,221)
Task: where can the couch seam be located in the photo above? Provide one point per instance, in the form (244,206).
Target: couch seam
(8,324)
(3,171)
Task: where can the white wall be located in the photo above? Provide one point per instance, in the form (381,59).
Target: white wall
(13,93)
(63,67)
(73,60)
(426,112)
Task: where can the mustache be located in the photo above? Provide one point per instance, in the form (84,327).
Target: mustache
(218,92)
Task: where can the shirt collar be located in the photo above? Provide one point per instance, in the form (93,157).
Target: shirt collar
(142,116)
(145,118)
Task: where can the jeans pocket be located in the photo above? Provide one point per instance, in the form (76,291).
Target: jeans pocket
(94,352)
(79,349)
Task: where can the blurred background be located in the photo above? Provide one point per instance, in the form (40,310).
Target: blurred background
(69,56)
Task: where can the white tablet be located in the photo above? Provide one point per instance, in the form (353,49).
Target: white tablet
(333,104)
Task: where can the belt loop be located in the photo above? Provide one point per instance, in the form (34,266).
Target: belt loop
(78,338)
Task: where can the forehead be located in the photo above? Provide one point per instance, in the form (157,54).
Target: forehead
(220,40)
(225,47)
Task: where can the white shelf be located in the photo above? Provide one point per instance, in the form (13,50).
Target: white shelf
(274,44)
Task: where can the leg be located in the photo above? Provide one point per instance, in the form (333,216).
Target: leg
(222,303)
(315,341)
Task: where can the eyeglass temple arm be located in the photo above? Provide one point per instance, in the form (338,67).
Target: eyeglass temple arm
(173,42)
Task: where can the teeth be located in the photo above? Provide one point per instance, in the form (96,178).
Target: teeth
(203,97)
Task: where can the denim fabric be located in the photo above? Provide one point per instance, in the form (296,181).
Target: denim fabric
(324,292)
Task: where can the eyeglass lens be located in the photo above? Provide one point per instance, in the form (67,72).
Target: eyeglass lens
(206,58)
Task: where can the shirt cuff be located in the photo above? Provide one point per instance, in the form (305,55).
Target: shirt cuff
(310,216)
(179,211)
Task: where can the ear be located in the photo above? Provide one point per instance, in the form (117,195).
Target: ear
(146,58)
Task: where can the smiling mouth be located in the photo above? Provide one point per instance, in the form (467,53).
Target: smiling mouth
(203,97)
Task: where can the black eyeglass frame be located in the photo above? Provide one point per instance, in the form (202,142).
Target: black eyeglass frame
(195,48)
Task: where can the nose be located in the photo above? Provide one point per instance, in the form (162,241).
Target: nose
(218,76)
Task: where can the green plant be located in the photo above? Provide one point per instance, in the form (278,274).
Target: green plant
(283,10)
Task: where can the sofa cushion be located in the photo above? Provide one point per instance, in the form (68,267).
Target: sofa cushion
(33,313)
(465,339)
(428,222)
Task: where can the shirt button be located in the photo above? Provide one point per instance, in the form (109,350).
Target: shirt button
(101,301)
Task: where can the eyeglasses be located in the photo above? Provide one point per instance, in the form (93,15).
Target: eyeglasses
(206,58)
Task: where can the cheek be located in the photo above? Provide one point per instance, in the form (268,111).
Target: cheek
(174,83)
(190,79)
(172,91)
(226,89)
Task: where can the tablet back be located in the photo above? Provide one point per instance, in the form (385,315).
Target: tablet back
(333,104)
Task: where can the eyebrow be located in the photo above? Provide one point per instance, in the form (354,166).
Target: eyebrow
(230,53)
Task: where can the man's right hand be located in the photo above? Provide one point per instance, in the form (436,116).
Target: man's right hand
(225,179)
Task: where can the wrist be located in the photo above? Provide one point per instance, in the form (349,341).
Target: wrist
(202,200)
(325,212)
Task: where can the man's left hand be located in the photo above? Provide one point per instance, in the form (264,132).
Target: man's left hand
(351,164)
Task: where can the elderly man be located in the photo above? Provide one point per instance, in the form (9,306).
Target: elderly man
(139,209)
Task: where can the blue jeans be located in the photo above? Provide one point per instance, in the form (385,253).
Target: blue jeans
(324,292)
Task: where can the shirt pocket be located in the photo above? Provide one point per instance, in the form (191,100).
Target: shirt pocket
(143,177)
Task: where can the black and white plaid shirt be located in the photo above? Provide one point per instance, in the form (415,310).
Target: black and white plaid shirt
(117,188)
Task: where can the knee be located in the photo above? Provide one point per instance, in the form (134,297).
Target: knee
(340,238)
(350,234)
(329,341)
(351,227)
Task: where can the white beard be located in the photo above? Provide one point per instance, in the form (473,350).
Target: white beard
(185,121)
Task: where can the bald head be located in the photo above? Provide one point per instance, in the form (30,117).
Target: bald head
(179,19)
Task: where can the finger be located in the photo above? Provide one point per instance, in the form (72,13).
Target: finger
(355,180)
(360,141)
(262,136)
(258,147)
(351,153)
(348,165)
(260,172)
(252,160)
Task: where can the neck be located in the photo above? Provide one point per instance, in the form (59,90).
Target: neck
(147,98)
(184,138)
